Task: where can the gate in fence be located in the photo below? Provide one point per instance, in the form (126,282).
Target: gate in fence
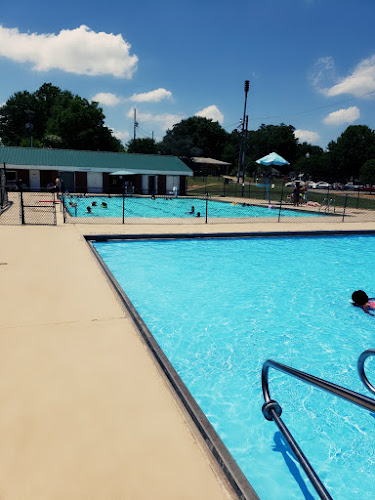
(31,208)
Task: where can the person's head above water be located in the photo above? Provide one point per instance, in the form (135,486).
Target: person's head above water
(359,297)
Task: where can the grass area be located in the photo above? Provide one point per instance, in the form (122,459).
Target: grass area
(217,187)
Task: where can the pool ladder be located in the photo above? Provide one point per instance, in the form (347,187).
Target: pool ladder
(272,410)
(328,202)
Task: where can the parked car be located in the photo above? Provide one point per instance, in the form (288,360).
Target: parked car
(311,185)
(293,183)
(323,185)
(353,187)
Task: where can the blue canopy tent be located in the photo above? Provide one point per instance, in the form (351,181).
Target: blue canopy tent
(272,159)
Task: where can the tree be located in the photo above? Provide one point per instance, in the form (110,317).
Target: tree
(80,124)
(195,136)
(316,166)
(269,138)
(305,148)
(145,146)
(58,119)
(367,172)
(14,117)
(352,149)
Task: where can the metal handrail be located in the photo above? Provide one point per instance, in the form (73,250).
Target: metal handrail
(361,368)
(328,204)
(272,411)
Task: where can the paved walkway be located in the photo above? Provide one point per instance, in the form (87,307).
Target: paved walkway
(84,410)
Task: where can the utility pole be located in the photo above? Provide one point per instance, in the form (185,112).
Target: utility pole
(243,155)
(135,123)
(242,142)
(30,125)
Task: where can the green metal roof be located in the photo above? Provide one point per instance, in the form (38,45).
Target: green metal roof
(102,160)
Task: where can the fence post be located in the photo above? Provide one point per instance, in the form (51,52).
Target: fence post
(281,201)
(343,214)
(206,205)
(123,202)
(22,206)
(63,208)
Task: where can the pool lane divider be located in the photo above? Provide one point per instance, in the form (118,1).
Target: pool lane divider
(228,465)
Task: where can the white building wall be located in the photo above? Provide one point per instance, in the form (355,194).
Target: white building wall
(34,178)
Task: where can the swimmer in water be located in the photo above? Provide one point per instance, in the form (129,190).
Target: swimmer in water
(360,299)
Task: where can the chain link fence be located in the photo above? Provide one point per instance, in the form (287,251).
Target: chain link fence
(31,208)
(233,204)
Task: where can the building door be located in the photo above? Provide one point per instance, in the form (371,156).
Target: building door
(94,182)
(67,181)
(34,180)
(151,184)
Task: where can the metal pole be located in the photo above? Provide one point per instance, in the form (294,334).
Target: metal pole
(343,214)
(246,88)
(206,206)
(244,155)
(22,206)
(135,124)
(281,201)
(123,202)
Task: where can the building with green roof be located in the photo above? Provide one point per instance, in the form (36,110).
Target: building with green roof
(89,171)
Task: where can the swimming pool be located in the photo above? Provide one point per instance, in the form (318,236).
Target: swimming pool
(226,306)
(174,208)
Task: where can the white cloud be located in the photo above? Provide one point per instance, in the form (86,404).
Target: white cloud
(348,115)
(121,135)
(306,135)
(323,73)
(163,120)
(359,83)
(211,112)
(80,51)
(152,96)
(107,99)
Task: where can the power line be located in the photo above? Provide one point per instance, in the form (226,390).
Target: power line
(238,123)
(313,109)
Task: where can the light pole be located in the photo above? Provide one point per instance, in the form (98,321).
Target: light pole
(242,142)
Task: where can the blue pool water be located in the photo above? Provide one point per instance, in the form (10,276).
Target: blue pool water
(173,208)
(219,308)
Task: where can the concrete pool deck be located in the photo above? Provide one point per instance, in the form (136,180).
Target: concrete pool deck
(85,412)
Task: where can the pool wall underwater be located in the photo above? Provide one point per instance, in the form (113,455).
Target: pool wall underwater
(234,474)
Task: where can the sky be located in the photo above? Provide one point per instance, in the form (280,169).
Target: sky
(310,63)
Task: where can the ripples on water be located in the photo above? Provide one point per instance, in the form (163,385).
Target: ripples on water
(220,308)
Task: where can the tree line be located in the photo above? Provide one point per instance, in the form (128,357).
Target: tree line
(51,117)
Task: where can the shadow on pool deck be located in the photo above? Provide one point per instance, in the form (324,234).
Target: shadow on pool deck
(85,412)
